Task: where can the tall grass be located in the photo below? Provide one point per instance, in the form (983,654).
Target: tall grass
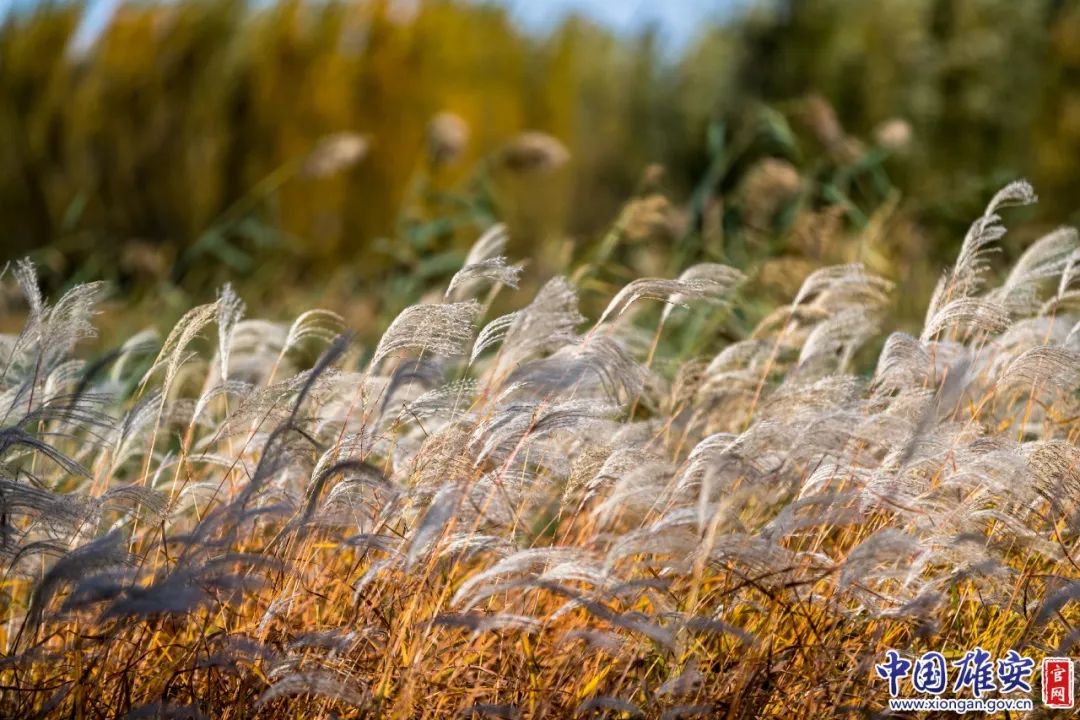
(537,514)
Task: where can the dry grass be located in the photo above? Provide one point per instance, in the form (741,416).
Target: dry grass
(529,516)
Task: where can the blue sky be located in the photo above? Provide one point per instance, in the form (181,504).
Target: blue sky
(678,20)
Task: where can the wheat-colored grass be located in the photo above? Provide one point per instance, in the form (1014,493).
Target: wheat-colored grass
(530,516)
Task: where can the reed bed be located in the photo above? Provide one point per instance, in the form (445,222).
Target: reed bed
(538,514)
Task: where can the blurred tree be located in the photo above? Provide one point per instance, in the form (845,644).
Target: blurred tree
(181,132)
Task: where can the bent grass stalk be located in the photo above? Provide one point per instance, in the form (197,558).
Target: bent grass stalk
(941,515)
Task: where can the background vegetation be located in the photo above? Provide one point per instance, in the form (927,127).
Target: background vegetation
(167,155)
